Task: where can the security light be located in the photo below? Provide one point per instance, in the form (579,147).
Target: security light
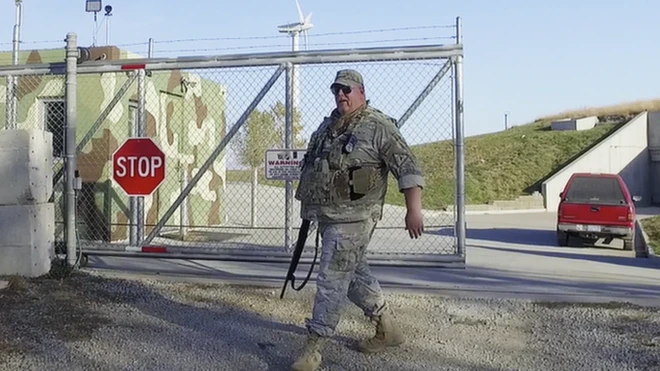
(93,6)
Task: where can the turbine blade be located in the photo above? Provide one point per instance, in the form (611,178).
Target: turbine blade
(300,13)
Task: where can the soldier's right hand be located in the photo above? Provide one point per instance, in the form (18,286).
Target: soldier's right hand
(414,223)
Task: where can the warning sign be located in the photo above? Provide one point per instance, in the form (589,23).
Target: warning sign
(284,164)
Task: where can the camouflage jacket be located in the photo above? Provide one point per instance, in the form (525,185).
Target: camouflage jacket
(345,168)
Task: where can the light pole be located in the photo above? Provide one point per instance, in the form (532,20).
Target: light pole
(17,31)
(93,6)
(10,114)
(108,14)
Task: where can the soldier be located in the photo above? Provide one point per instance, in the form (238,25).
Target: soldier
(342,188)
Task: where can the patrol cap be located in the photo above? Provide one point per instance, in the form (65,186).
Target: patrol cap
(348,77)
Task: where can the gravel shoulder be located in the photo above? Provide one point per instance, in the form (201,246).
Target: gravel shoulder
(91,322)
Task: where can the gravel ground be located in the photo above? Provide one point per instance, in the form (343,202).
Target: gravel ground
(89,322)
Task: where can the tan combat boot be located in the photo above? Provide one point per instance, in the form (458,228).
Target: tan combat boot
(310,359)
(387,335)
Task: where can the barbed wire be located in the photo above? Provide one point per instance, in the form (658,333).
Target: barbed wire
(6,59)
(309,35)
(268,37)
(289,45)
(36,42)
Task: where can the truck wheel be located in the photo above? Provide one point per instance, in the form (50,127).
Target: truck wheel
(562,238)
(629,244)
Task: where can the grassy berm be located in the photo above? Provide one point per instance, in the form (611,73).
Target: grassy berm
(652,228)
(506,164)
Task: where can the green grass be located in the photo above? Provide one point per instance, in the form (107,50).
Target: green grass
(502,165)
(506,164)
(498,166)
(651,226)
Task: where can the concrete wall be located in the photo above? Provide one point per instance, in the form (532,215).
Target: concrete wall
(585,123)
(27,219)
(624,152)
(654,154)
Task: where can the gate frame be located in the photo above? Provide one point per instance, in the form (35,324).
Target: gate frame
(284,61)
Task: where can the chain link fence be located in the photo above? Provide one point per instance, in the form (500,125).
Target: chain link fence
(213,120)
(35,101)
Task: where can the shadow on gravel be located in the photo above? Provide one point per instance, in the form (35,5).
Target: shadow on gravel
(230,333)
(42,319)
(45,310)
(262,343)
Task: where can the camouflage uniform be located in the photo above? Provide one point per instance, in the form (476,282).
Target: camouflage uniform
(342,187)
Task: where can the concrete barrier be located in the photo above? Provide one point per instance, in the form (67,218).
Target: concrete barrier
(27,219)
(26,162)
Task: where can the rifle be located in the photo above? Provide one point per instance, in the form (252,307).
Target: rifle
(300,246)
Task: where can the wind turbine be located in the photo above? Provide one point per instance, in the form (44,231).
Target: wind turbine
(295,29)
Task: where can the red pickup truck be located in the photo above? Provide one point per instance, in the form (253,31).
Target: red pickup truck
(594,206)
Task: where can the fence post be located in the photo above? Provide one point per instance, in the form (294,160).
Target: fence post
(137,202)
(11,105)
(460,153)
(288,144)
(10,117)
(254,191)
(150,52)
(70,146)
(183,216)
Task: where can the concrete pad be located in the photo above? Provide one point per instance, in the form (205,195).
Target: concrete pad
(4,284)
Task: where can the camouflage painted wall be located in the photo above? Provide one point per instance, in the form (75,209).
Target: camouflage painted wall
(185,116)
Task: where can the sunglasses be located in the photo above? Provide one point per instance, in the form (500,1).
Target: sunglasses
(344,89)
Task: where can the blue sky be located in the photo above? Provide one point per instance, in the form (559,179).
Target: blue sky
(529,58)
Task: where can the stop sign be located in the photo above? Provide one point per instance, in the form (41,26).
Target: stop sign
(138,166)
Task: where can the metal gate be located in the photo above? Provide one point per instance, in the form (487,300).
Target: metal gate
(214,118)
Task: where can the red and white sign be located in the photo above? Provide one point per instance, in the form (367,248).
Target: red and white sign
(138,166)
(284,164)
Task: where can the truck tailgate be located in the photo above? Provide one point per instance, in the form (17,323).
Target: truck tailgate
(606,215)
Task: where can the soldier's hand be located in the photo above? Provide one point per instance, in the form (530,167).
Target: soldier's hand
(414,223)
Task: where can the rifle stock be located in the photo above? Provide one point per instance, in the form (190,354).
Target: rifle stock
(295,259)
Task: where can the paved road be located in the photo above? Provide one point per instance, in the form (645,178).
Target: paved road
(508,255)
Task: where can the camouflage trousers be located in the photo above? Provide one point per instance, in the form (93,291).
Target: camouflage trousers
(344,272)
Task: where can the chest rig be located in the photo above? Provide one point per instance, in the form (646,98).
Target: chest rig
(340,169)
